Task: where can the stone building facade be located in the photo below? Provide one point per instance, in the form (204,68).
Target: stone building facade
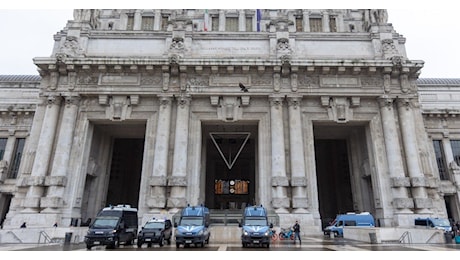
(307,112)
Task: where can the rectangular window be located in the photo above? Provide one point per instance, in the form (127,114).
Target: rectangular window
(17,156)
(130,25)
(439,153)
(231,24)
(456,150)
(164,23)
(316,25)
(2,147)
(332,24)
(147,23)
(249,24)
(299,24)
(215,23)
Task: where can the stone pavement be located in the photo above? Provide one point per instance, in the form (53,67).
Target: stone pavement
(318,243)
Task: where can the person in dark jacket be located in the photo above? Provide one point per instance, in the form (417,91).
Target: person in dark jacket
(23,225)
(296,228)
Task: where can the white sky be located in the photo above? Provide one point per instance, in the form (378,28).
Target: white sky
(431,31)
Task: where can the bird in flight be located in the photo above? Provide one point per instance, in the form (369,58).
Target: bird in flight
(243,88)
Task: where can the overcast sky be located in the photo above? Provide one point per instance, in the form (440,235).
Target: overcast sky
(431,34)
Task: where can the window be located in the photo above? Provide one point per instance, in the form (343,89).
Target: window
(2,147)
(249,24)
(316,25)
(440,159)
(16,161)
(456,150)
(215,23)
(164,23)
(332,24)
(130,25)
(147,23)
(298,24)
(231,24)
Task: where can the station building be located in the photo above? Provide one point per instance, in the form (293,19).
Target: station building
(309,113)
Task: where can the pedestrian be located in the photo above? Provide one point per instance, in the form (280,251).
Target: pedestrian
(23,225)
(296,228)
(55,224)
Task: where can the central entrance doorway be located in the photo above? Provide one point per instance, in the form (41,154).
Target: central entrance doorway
(230,165)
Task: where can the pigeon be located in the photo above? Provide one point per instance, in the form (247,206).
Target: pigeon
(243,88)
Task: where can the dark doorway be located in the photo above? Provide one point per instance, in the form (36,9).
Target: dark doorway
(230,166)
(333,177)
(5,201)
(125,171)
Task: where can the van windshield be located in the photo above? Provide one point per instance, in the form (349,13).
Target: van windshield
(256,222)
(191,221)
(106,222)
(441,222)
(152,225)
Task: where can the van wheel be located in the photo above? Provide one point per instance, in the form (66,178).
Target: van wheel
(88,247)
(169,241)
(116,244)
(149,245)
(177,245)
(160,243)
(139,245)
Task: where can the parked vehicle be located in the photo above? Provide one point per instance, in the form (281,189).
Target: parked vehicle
(255,227)
(155,231)
(193,227)
(364,219)
(436,223)
(112,226)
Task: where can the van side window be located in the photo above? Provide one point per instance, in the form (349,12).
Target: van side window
(340,223)
(350,223)
(420,222)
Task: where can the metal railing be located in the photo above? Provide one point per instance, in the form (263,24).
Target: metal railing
(47,238)
(402,239)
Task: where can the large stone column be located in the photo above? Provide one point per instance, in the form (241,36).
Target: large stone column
(400,182)
(58,179)
(418,182)
(298,178)
(43,155)
(178,179)
(280,201)
(157,198)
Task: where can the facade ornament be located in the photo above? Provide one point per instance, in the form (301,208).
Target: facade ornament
(70,48)
(177,43)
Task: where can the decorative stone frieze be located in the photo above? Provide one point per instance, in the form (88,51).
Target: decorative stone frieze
(55,181)
(51,202)
(31,202)
(423,203)
(418,182)
(299,181)
(299,202)
(397,182)
(177,181)
(32,181)
(280,203)
(177,202)
(432,182)
(157,181)
(156,201)
(280,181)
(403,203)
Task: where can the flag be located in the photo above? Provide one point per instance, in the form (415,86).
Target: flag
(259,17)
(206,20)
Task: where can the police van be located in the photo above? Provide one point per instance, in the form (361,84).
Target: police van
(114,225)
(255,228)
(435,223)
(193,227)
(364,219)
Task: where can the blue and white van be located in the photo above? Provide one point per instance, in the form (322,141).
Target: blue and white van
(364,219)
(436,223)
(255,227)
(193,227)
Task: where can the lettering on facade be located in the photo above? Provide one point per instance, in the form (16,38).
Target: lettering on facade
(119,80)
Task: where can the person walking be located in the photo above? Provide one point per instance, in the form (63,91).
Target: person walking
(296,228)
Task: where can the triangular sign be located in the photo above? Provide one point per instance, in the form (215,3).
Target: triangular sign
(229,145)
